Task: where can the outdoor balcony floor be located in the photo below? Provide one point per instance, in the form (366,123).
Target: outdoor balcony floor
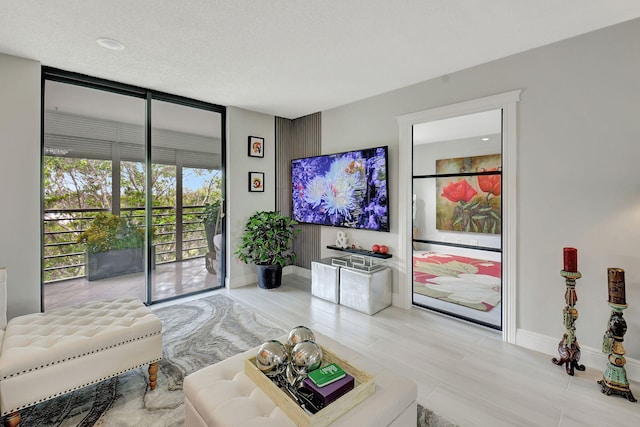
(168,280)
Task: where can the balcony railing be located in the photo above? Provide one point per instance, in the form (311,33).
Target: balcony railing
(65,258)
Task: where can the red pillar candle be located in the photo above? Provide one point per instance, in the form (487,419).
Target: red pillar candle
(570,259)
(616,286)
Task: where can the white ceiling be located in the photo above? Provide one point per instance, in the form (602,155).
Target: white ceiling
(461,127)
(290,57)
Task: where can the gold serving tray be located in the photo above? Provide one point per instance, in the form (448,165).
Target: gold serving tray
(364,387)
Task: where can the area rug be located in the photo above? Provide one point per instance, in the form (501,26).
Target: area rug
(196,334)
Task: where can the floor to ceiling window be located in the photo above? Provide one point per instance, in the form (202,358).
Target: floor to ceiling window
(132,192)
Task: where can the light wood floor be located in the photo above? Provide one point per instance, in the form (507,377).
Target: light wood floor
(464,372)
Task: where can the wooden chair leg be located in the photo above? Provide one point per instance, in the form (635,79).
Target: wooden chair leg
(153,375)
(12,420)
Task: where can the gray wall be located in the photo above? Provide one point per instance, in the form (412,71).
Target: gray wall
(578,185)
(20,182)
(241,204)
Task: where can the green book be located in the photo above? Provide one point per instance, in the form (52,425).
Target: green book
(327,374)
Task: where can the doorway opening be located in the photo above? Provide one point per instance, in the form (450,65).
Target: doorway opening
(429,238)
(457,217)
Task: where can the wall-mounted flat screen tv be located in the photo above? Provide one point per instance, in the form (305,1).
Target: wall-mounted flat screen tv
(342,190)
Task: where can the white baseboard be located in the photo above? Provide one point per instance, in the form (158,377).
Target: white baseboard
(589,356)
(240,281)
(298,271)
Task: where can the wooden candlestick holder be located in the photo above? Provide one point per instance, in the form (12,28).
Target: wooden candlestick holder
(614,379)
(568,347)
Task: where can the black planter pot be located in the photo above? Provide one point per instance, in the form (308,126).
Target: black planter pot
(114,263)
(102,265)
(269,276)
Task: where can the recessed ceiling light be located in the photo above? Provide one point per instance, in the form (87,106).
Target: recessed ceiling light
(485,139)
(108,43)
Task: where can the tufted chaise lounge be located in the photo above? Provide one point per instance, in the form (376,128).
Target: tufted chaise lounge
(45,355)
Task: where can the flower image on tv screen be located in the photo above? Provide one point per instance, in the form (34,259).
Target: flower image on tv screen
(343,190)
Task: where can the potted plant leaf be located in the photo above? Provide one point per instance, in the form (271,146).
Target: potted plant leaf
(114,246)
(266,242)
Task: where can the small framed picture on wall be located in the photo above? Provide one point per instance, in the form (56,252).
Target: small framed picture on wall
(256,146)
(256,182)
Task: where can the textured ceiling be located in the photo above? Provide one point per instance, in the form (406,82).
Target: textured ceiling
(290,57)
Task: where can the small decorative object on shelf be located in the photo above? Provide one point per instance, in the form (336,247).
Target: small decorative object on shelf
(568,347)
(342,241)
(380,249)
(614,379)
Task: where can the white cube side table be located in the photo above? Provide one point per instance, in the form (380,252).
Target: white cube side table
(325,280)
(368,292)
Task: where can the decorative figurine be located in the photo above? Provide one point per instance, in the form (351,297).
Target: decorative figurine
(614,379)
(568,347)
(342,240)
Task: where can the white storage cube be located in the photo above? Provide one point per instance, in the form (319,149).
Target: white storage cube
(325,280)
(368,292)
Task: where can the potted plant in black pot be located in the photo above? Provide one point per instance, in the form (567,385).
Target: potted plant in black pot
(114,246)
(266,242)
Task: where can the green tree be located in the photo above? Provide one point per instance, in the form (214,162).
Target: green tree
(74,184)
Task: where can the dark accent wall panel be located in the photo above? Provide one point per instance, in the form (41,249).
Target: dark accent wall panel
(297,138)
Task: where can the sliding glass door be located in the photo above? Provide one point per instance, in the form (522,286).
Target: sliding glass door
(129,177)
(93,140)
(186,161)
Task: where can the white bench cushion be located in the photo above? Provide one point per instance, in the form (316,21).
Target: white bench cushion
(37,340)
(45,355)
(222,395)
(225,396)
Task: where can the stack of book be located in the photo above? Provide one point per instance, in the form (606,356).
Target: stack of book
(329,383)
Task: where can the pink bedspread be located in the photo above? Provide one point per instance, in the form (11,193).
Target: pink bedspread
(471,282)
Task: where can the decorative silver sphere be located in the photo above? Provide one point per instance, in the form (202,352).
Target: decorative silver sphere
(306,356)
(299,334)
(272,358)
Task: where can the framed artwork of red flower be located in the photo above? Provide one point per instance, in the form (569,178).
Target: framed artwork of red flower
(256,146)
(256,182)
(468,196)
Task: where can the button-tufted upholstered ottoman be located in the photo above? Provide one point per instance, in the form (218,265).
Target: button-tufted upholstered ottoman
(222,395)
(45,355)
